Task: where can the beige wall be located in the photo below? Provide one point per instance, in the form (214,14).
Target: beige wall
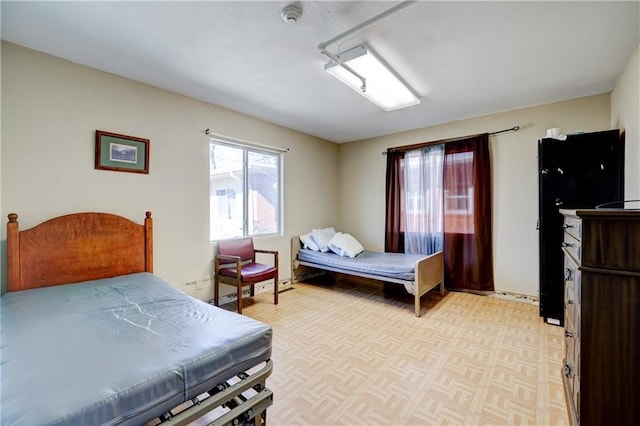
(514,180)
(51,108)
(625,115)
(50,111)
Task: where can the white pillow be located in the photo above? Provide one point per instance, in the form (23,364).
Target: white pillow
(345,245)
(322,237)
(308,243)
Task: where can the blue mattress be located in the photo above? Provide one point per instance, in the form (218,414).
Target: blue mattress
(116,351)
(400,266)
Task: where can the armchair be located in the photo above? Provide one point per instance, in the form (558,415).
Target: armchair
(235,264)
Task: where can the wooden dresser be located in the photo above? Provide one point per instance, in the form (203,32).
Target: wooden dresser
(601,369)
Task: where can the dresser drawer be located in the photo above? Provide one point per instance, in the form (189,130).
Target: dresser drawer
(571,272)
(573,227)
(571,369)
(572,335)
(572,289)
(572,246)
(572,277)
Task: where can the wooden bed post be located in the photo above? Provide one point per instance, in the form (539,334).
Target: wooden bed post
(148,242)
(295,248)
(13,253)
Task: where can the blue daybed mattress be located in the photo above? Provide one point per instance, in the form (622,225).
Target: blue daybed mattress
(400,266)
(116,351)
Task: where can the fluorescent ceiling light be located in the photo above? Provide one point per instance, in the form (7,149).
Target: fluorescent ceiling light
(383,87)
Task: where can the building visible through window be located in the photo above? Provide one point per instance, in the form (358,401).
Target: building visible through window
(458,193)
(245,190)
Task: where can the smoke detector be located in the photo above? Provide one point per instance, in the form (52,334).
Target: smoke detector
(291,13)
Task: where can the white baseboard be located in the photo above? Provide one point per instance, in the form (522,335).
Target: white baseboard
(283,285)
(516,297)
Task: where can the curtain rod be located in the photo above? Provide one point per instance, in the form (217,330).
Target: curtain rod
(420,145)
(240,142)
(513,129)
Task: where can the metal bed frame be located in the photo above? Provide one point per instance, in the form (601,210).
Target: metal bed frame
(429,273)
(244,397)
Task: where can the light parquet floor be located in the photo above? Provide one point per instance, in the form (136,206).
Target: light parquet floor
(345,352)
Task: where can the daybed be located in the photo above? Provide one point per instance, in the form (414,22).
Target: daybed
(419,274)
(91,336)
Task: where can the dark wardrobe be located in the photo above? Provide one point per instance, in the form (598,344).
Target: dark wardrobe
(583,171)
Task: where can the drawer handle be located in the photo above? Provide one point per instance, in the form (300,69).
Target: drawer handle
(569,302)
(567,274)
(566,226)
(568,334)
(567,244)
(567,370)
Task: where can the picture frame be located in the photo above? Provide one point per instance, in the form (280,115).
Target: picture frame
(121,153)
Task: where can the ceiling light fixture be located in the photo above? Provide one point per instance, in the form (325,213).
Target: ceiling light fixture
(362,70)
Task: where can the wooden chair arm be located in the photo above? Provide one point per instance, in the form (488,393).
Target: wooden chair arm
(228,257)
(266,251)
(273,252)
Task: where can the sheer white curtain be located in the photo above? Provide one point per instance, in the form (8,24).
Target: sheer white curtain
(423,210)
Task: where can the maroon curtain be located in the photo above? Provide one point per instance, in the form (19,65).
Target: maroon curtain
(394,226)
(467,249)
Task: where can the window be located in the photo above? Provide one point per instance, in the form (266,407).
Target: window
(244,190)
(423,189)
(458,193)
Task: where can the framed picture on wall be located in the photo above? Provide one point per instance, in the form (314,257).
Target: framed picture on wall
(121,153)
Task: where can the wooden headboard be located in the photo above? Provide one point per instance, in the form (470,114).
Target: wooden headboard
(77,247)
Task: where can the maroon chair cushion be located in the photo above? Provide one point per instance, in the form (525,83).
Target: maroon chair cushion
(251,272)
(242,247)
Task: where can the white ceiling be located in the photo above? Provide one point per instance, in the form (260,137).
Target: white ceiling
(464,59)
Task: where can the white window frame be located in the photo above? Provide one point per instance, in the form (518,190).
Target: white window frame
(246,148)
